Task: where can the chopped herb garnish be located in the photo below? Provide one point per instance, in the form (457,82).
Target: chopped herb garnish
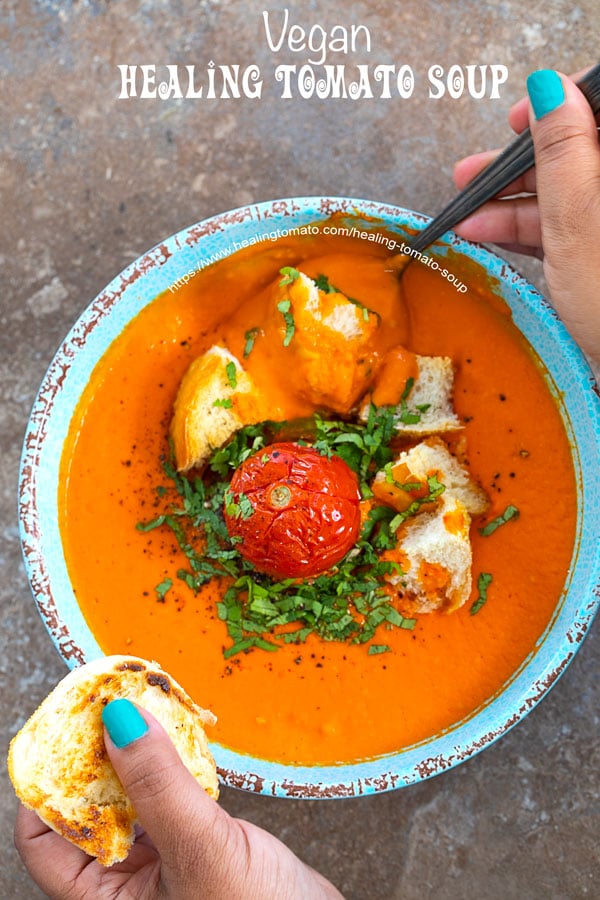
(224,402)
(483,583)
(244,443)
(323,283)
(285,308)
(434,488)
(364,447)
(289,275)
(349,603)
(411,416)
(162,589)
(374,649)
(231,372)
(407,486)
(250,338)
(241,508)
(511,512)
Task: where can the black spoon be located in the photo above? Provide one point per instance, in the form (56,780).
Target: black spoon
(512,162)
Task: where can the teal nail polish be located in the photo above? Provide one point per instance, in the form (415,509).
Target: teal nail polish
(546,91)
(123,722)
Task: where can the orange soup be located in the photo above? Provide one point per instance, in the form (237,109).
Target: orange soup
(319,701)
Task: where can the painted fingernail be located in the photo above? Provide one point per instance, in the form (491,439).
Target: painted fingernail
(546,91)
(123,722)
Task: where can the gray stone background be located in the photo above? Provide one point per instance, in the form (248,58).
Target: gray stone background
(89,182)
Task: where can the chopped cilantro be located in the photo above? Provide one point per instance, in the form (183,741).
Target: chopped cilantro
(240,508)
(162,589)
(348,604)
(364,447)
(231,372)
(411,416)
(375,649)
(243,444)
(434,488)
(285,308)
(483,583)
(289,275)
(511,512)
(224,402)
(407,486)
(323,283)
(250,338)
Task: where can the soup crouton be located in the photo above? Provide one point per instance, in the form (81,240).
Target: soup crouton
(216,397)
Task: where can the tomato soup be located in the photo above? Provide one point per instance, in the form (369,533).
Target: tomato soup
(320,702)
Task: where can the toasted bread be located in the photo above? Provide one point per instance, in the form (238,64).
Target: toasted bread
(413,467)
(59,766)
(333,344)
(433,387)
(429,400)
(435,554)
(216,398)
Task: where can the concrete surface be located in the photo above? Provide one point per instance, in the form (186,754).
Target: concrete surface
(89,182)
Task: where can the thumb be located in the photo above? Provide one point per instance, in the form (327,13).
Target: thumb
(567,162)
(187,827)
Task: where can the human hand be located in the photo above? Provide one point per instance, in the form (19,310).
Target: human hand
(560,219)
(189,848)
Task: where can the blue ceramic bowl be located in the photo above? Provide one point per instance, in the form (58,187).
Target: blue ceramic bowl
(568,377)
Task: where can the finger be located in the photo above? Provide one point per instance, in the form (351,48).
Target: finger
(468,168)
(62,870)
(465,170)
(187,827)
(518,115)
(52,862)
(514,222)
(567,163)
(536,252)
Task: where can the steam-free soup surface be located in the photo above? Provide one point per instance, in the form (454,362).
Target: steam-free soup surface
(320,702)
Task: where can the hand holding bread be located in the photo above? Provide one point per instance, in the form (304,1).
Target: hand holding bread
(139,800)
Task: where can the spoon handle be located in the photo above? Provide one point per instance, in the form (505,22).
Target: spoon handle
(512,162)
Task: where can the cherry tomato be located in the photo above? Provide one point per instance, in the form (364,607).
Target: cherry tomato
(304,514)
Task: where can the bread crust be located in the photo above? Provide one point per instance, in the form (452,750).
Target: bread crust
(432,391)
(208,410)
(58,762)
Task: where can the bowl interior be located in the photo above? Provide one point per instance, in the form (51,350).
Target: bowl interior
(567,374)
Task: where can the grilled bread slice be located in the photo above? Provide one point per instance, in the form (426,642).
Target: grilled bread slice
(335,357)
(427,408)
(216,398)
(411,469)
(59,766)
(435,554)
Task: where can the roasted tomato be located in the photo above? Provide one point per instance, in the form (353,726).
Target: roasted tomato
(296,511)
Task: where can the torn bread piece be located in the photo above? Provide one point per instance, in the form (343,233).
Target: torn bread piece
(332,344)
(215,399)
(427,406)
(59,766)
(406,479)
(434,552)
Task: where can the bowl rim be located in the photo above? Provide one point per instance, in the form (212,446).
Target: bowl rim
(103,319)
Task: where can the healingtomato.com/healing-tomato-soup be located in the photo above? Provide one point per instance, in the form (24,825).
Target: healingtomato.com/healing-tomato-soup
(320,701)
